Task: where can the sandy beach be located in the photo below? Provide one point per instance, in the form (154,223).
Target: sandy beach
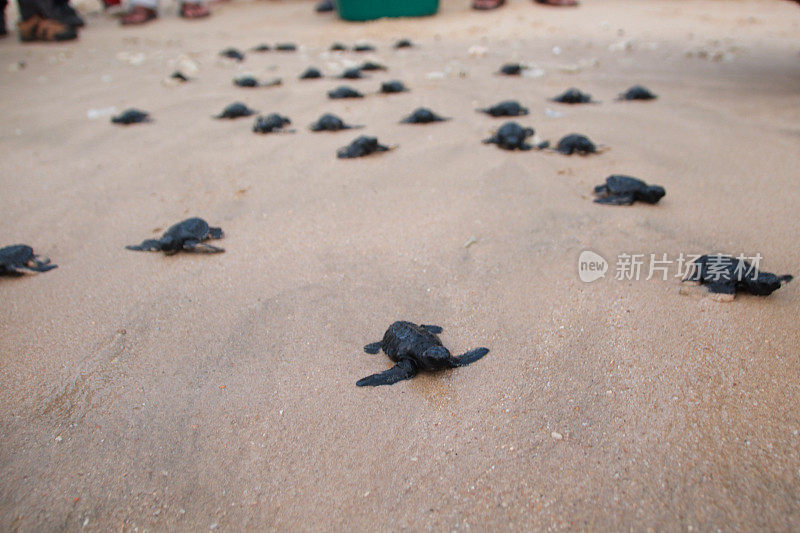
(193,392)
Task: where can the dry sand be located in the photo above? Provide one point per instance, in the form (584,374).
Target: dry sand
(195,392)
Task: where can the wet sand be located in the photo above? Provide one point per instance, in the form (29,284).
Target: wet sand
(194,392)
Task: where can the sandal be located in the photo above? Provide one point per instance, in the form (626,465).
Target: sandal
(37,28)
(137,15)
(486,5)
(189,10)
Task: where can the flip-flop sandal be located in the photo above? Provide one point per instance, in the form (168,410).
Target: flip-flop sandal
(190,10)
(37,28)
(486,5)
(137,15)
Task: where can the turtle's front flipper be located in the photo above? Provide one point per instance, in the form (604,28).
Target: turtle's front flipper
(616,199)
(215,233)
(405,369)
(432,329)
(202,247)
(469,357)
(374,347)
(150,245)
(40,264)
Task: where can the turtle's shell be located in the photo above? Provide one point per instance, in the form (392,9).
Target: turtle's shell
(617,184)
(191,228)
(16,254)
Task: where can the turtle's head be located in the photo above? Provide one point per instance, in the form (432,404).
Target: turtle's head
(765,283)
(436,357)
(653,194)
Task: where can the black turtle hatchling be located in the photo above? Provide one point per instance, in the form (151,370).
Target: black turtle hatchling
(180,76)
(574,143)
(17,258)
(511,69)
(351,74)
(262,48)
(363,48)
(344,92)
(624,190)
(369,66)
(272,123)
(414,348)
(311,73)
(329,122)
(423,115)
(508,108)
(285,47)
(131,116)
(236,110)
(232,53)
(637,92)
(511,136)
(189,235)
(404,43)
(573,96)
(360,147)
(726,275)
(392,87)
(337,47)
(250,81)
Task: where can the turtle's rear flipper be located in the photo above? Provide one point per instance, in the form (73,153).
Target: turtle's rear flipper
(403,370)
(202,247)
(373,348)
(432,329)
(469,357)
(150,245)
(616,199)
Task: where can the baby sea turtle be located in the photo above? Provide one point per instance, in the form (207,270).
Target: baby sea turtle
(725,275)
(188,235)
(250,81)
(368,66)
(344,92)
(178,75)
(351,74)
(329,122)
(131,116)
(262,48)
(311,73)
(363,48)
(511,136)
(286,47)
(271,123)
(236,110)
(360,147)
(337,47)
(637,92)
(232,53)
(573,96)
(511,69)
(624,190)
(392,87)
(508,108)
(414,348)
(404,43)
(423,115)
(18,257)
(575,143)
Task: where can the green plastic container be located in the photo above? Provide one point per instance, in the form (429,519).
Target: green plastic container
(375,9)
